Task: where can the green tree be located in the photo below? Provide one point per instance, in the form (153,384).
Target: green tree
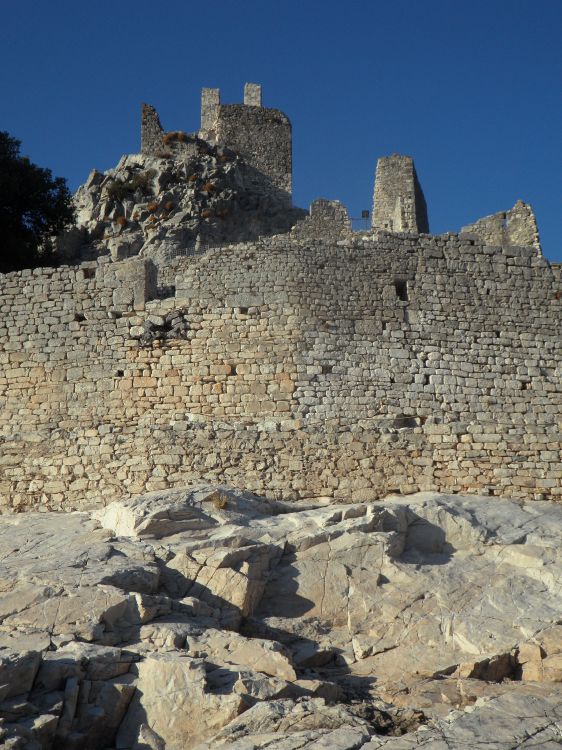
(34,206)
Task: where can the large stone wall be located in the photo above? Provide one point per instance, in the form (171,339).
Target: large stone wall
(347,365)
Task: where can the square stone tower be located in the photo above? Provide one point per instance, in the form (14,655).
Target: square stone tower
(398,201)
(261,135)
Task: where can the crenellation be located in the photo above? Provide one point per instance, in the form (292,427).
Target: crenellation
(252,95)
(262,136)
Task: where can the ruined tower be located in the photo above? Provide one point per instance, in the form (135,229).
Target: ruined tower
(398,201)
(263,136)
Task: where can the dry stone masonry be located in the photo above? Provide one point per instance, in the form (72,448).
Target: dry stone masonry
(398,201)
(260,135)
(300,359)
(517,226)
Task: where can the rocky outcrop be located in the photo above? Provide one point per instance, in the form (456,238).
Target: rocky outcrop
(209,617)
(171,203)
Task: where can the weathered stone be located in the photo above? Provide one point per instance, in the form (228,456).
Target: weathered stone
(419,605)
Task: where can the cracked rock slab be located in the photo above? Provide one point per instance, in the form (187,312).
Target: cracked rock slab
(208,617)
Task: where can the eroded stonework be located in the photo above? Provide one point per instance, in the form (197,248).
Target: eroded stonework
(517,226)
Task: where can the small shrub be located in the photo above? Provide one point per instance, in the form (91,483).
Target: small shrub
(121,220)
(169,205)
(192,178)
(121,189)
(206,213)
(152,207)
(208,187)
(220,500)
(175,135)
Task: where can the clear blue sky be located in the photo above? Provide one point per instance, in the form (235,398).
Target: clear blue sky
(472,90)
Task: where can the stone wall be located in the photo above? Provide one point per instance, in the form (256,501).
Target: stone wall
(518,227)
(398,201)
(252,94)
(210,103)
(262,136)
(347,365)
(151,131)
(327,219)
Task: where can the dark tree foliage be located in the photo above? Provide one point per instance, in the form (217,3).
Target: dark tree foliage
(34,206)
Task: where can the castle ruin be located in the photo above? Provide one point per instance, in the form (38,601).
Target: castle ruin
(310,361)
(262,136)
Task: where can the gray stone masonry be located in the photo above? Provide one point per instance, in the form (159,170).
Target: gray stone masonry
(252,95)
(310,363)
(321,362)
(210,103)
(262,136)
(325,219)
(518,227)
(398,201)
(151,130)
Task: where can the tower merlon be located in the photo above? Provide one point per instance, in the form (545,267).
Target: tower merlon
(151,130)
(210,103)
(252,95)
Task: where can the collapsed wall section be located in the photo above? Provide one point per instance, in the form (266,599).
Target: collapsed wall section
(348,367)
(517,227)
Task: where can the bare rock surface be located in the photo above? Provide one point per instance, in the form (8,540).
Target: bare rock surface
(209,617)
(161,205)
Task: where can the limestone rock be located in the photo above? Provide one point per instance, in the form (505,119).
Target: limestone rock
(172,698)
(210,617)
(160,514)
(163,204)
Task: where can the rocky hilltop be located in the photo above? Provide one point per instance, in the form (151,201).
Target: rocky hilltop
(209,617)
(163,206)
